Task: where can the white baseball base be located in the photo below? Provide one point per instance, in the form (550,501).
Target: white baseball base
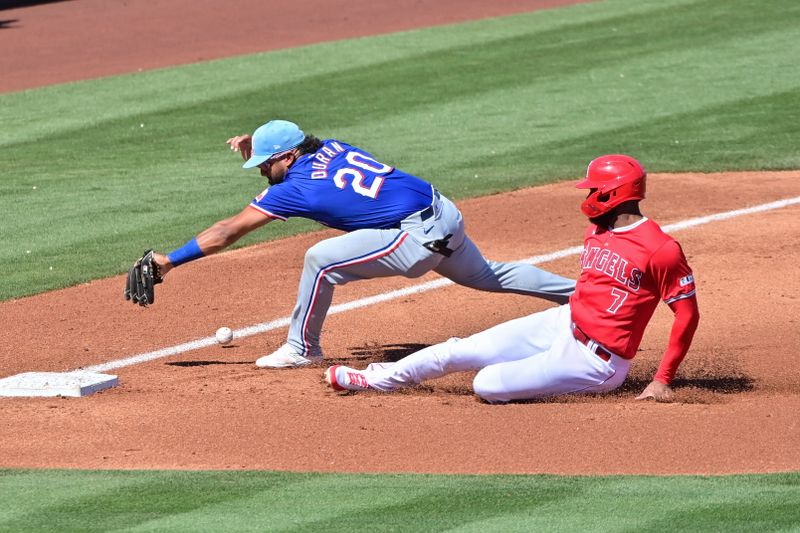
(74,384)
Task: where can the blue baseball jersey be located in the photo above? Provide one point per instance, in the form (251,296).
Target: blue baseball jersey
(345,188)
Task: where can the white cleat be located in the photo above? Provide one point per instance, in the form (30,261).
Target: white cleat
(345,378)
(286,357)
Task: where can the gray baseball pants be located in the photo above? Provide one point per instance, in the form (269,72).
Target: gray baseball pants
(409,251)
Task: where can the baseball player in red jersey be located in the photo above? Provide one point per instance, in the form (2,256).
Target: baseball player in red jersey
(628,264)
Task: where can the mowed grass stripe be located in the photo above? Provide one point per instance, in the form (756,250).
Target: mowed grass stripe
(32,114)
(280,501)
(584,55)
(484,107)
(738,126)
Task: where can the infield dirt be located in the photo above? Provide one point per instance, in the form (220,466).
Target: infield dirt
(737,398)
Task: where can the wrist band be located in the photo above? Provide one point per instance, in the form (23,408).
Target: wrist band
(188,252)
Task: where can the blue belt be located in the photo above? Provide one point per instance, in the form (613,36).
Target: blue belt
(426,213)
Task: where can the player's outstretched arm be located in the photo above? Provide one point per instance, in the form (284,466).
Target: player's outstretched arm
(228,231)
(214,239)
(687,317)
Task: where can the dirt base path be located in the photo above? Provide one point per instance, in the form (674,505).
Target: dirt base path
(74,40)
(737,400)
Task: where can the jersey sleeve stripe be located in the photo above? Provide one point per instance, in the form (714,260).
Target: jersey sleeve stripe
(264,211)
(680,297)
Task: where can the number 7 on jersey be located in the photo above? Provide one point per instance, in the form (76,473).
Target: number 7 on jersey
(619,299)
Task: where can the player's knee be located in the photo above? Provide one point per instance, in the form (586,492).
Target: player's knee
(317,256)
(487,387)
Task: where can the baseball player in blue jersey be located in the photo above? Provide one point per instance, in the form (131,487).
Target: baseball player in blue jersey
(395,224)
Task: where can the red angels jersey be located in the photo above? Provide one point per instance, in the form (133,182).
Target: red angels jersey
(624,273)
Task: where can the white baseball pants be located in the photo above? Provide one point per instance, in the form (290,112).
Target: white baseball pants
(531,357)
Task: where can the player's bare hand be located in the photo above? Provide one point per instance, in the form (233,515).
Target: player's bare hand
(163,263)
(243,144)
(657,391)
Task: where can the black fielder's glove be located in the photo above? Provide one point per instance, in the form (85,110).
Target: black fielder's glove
(142,276)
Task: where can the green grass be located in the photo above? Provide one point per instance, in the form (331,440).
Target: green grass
(60,500)
(94,172)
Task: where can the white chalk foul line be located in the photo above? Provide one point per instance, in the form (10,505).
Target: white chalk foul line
(416,289)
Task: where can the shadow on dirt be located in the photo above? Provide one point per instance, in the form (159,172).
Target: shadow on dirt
(386,352)
(10,24)
(718,384)
(707,390)
(16,4)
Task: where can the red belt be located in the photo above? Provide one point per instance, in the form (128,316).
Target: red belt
(598,350)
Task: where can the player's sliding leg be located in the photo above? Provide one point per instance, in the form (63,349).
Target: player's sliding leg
(516,339)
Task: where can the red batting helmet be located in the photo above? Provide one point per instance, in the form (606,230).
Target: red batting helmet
(617,178)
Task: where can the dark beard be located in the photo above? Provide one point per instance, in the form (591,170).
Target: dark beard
(604,220)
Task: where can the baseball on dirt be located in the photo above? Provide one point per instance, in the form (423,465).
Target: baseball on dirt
(224,335)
